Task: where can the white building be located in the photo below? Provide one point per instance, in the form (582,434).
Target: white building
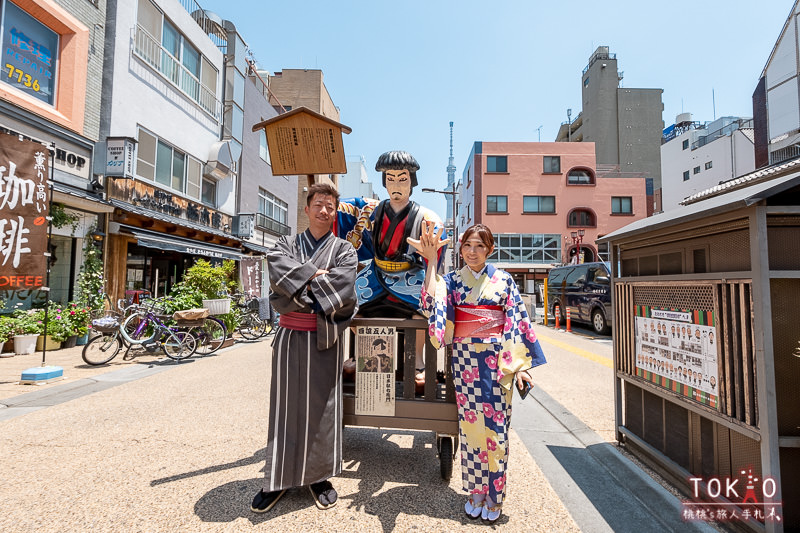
(356,184)
(164,75)
(697,156)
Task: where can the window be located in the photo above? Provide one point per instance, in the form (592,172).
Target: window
(496,163)
(708,165)
(272,206)
(497,204)
(580,176)
(586,81)
(209,193)
(697,170)
(552,164)
(159,43)
(621,205)
(581,218)
(526,248)
(602,251)
(263,150)
(686,176)
(685,144)
(31,55)
(160,162)
(538,204)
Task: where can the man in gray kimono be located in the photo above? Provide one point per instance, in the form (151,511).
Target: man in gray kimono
(312,277)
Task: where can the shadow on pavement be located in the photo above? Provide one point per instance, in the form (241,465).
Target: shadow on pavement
(371,459)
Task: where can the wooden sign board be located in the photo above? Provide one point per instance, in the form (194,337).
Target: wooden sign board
(304,142)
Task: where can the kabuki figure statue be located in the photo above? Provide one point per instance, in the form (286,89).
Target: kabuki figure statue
(391,274)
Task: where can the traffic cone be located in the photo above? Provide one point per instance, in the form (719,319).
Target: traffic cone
(569,322)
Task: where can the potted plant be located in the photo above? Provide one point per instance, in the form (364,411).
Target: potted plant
(26,329)
(57,327)
(6,336)
(76,319)
(213,283)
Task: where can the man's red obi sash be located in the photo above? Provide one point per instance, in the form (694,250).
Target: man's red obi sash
(299,321)
(479,321)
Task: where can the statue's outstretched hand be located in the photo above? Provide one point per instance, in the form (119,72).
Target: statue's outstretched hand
(429,242)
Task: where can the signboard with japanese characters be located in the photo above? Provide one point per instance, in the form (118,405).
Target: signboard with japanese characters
(304,142)
(677,349)
(375,365)
(24,207)
(250,274)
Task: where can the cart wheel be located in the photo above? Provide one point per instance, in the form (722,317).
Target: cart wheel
(446,457)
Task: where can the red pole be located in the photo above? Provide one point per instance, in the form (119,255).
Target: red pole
(569,321)
(558,316)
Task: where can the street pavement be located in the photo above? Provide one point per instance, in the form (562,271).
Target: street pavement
(154,445)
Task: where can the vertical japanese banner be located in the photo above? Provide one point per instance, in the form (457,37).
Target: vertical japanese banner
(24,207)
(375,365)
(250,274)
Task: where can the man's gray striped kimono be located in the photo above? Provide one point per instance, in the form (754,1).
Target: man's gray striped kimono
(305,404)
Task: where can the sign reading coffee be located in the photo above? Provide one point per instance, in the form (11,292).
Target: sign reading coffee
(24,207)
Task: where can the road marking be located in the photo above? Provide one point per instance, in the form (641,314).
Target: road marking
(577,351)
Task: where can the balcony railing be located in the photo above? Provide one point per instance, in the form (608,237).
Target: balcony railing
(271,225)
(149,50)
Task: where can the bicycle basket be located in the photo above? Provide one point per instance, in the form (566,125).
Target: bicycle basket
(252,305)
(190,315)
(106,324)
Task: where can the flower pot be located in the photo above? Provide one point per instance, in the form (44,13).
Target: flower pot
(83,339)
(25,344)
(7,349)
(51,344)
(218,306)
(70,342)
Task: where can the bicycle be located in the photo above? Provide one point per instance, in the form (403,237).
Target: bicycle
(251,325)
(108,342)
(209,331)
(145,329)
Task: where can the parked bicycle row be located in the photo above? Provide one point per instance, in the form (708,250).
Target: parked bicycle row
(148,328)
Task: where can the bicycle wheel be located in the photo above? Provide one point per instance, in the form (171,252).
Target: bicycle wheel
(178,345)
(259,326)
(249,327)
(101,349)
(210,336)
(138,330)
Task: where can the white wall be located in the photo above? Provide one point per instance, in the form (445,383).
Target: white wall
(142,96)
(731,156)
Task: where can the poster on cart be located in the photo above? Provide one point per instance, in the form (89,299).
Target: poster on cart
(677,350)
(24,207)
(375,365)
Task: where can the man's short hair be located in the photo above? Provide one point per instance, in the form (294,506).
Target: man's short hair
(378,341)
(398,160)
(324,189)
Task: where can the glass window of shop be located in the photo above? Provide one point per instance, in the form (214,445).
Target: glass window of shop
(209,193)
(30,54)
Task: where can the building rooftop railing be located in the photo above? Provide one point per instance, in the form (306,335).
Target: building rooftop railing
(600,56)
(272,225)
(209,22)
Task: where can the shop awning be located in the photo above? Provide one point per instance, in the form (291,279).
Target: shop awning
(80,199)
(159,241)
(255,247)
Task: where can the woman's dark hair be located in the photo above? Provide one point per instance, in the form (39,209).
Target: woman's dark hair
(483,233)
(323,189)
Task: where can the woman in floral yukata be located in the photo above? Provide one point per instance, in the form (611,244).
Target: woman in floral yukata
(479,310)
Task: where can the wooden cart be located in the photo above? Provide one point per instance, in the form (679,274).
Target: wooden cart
(435,410)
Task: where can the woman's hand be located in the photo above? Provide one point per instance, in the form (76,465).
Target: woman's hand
(523,377)
(429,242)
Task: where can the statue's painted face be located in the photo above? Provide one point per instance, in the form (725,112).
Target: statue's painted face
(398,183)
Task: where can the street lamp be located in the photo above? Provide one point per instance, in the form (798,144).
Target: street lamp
(577,239)
(452,195)
(569,125)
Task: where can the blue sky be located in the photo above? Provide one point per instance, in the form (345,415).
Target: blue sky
(401,71)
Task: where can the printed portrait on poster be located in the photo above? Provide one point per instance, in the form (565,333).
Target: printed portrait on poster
(375,366)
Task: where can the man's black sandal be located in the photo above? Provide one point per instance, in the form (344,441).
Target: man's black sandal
(324,494)
(264,501)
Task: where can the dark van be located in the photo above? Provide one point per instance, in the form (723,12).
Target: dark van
(586,289)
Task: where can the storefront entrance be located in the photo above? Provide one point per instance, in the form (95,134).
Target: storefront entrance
(154,270)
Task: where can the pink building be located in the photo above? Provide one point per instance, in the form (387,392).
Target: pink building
(534,195)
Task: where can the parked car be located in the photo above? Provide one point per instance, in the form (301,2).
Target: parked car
(586,289)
